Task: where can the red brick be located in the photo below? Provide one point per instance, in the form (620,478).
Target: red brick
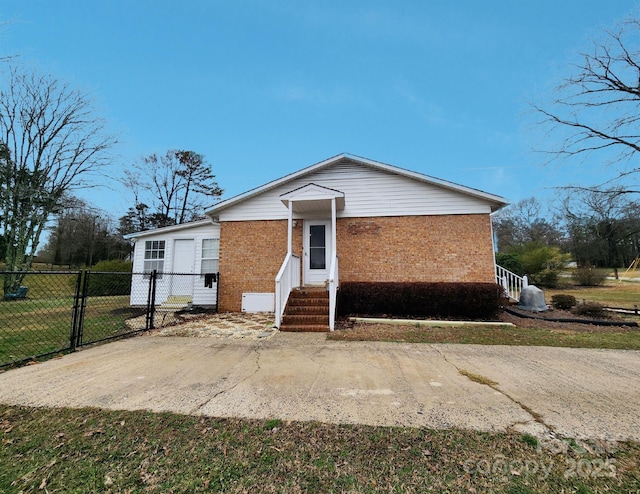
(408,248)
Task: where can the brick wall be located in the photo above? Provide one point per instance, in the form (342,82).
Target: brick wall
(412,248)
(416,248)
(251,253)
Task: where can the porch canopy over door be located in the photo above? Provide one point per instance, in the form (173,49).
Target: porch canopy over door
(313,201)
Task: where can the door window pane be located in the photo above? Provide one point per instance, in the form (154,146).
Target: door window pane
(316,259)
(317,247)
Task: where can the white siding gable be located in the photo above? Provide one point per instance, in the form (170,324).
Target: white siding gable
(368,192)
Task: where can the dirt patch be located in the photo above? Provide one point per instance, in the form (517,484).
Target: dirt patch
(229,324)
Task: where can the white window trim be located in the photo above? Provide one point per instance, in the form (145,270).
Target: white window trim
(205,258)
(156,262)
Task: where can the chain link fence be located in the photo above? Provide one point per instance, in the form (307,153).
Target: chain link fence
(57,311)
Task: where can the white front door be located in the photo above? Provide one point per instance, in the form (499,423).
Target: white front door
(317,251)
(183,263)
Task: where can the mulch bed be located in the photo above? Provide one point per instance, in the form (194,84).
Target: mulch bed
(542,321)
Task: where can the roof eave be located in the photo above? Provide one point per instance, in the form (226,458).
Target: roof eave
(167,229)
(270,185)
(496,202)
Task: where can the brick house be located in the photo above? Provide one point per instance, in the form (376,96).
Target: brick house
(351,219)
(347,219)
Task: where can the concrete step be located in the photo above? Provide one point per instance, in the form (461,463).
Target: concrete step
(305,293)
(307,310)
(305,319)
(179,299)
(315,328)
(308,302)
(175,303)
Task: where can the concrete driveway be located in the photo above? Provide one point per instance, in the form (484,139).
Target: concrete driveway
(570,392)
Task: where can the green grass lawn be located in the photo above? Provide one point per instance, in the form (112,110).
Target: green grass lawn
(46,285)
(623,294)
(624,339)
(41,325)
(105,317)
(90,450)
(33,327)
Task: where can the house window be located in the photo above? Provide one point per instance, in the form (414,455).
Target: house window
(154,256)
(210,254)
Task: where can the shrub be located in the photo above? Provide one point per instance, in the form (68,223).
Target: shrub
(419,299)
(113,266)
(563,302)
(589,276)
(536,259)
(590,309)
(107,280)
(510,262)
(547,278)
(541,263)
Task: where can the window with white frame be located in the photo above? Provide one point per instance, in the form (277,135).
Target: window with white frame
(210,254)
(154,256)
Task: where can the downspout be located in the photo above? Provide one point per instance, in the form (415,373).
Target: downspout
(334,247)
(290,229)
(290,241)
(494,247)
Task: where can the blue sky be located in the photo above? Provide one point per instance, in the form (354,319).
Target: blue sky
(265,87)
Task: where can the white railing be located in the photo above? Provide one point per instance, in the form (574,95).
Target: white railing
(511,282)
(287,279)
(333,292)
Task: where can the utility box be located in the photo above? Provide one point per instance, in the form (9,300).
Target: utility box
(258,302)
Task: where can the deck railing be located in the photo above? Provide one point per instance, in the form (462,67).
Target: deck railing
(511,282)
(333,292)
(287,279)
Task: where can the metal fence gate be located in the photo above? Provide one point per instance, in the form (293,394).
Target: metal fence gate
(59,311)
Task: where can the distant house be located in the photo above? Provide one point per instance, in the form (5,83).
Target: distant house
(344,219)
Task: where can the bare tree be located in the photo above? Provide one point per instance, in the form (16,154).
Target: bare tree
(82,235)
(178,185)
(525,222)
(596,108)
(603,226)
(50,141)
(198,180)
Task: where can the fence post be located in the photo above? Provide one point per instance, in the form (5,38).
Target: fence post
(75,315)
(151,301)
(217,291)
(82,308)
